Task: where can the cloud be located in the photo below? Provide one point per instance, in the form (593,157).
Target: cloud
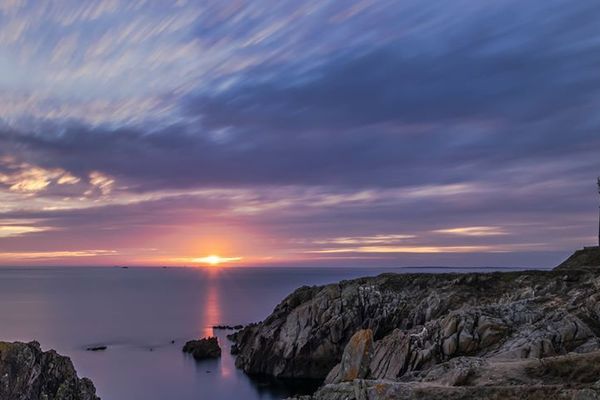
(102,182)
(365,129)
(46,255)
(19,230)
(64,49)
(490,67)
(29,179)
(367,240)
(474,231)
(68,179)
(413,249)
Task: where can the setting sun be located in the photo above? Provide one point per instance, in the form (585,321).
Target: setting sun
(215,260)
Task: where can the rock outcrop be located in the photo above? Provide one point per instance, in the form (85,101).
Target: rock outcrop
(588,257)
(28,373)
(356,360)
(430,336)
(573,377)
(203,348)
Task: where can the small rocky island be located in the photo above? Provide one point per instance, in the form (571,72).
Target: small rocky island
(501,335)
(203,348)
(28,373)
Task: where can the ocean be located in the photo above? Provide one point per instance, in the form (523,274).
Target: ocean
(138,312)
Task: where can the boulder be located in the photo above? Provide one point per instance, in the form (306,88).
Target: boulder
(203,348)
(356,359)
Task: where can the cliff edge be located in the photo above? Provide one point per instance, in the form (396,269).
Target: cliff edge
(430,336)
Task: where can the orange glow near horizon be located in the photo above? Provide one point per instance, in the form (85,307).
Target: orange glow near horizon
(215,260)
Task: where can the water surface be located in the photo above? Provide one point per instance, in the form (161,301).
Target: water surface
(138,312)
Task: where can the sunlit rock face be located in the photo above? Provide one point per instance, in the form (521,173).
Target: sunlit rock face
(28,373)
(433,330)
(356,359)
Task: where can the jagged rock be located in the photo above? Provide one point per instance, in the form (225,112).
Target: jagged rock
(28,373)
(387,390)
(228,327)
(570,377)
(356,359)
(520,335)
(203,348)
(420,320)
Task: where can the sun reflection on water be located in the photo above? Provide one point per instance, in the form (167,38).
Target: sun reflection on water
(213,316)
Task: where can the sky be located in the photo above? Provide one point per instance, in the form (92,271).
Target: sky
(322,133)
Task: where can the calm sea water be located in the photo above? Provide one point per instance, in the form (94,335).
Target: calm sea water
(137,312)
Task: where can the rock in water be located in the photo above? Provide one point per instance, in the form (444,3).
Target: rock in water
(96,348)
(203,348)
(28,373)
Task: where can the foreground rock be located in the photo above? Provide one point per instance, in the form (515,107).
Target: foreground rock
(28,373)
(426,335)
(573,376)
(203,348)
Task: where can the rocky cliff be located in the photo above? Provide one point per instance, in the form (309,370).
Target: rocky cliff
(414,333)
(28,373)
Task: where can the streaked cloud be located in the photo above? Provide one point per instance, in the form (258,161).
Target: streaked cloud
(19,230)
(375,239)
(474,231)
(45,255)
(102,182)
(410,249)
(363,131)
(503,248)
(29,179)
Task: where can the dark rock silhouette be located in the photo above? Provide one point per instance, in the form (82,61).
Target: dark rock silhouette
(228,327)
(588,257)
(97,348)
(203,348)
(28,373)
